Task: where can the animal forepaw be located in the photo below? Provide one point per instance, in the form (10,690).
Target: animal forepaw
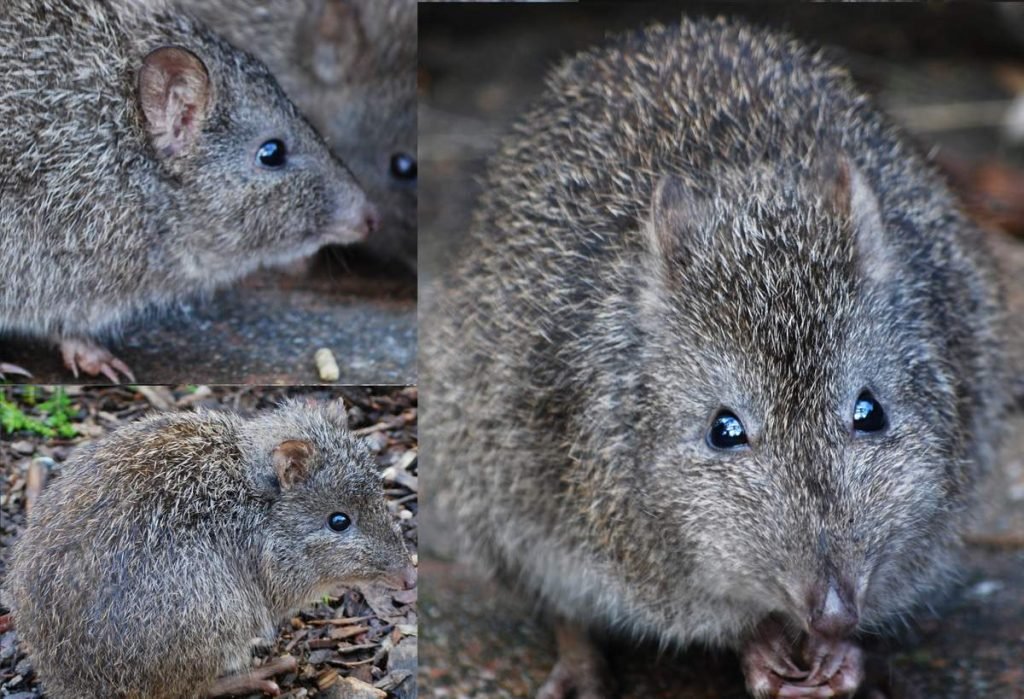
(569,679)
(771,670)
(92,359)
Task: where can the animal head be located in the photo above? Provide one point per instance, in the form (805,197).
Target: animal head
(250,181)
(816,451)
(328,523)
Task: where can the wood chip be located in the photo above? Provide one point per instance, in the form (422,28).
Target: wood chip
(326,679)
(326,365)
(340,633)
(160,397)
(351,688)
(340,621)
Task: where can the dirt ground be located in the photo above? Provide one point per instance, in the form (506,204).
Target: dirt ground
(949,74)
(266,330)
(359,644)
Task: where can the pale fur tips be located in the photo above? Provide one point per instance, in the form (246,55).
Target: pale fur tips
(175,95)
(291,461)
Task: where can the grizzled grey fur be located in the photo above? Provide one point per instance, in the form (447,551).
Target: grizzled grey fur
(695,217)
(350,66)
(148,567)
(99,222)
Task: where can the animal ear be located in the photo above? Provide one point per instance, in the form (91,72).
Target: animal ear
(336,41)
(175,94)
(340,411)
(291,461)
(678,212)
(854,198)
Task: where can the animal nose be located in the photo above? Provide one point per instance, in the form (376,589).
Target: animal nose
(833,609)
(371,218)
(409,576)
(404,579)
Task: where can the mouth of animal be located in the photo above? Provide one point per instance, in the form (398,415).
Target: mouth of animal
(799,638)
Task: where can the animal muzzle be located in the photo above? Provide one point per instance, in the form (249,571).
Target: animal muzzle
(404,579)
(352,223)
(832,604)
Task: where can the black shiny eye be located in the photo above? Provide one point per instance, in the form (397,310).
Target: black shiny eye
(403,166)
(726,431)
(339,521)
(868,415)
(272,153)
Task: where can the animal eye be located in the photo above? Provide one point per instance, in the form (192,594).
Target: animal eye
(868,415)
(339,522)
(726,431)
(403,166)
(272,153)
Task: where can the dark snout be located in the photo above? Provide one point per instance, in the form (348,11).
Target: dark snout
(833,608)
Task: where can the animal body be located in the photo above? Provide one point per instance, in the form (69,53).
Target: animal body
(719,365)
(149,566)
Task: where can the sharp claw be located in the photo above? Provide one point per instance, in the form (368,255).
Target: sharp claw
(831,664)
(770,664)
(85,356)
(6,368)
(820,655)
(785,667)
(123,368)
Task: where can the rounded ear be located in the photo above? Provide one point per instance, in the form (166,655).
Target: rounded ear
(335,41)
(175,95)
(678,212)
(853,197)
(291,461)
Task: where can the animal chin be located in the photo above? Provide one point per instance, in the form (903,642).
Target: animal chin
(340,234)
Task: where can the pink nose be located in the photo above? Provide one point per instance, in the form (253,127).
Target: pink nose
(833,609)
(404,579)
(371,218)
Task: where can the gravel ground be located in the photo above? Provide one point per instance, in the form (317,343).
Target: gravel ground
(359,644)
(265,330)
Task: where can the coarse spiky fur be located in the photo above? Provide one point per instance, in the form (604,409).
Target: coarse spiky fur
(799,253)
(95,226)
(148,567)
(350,66)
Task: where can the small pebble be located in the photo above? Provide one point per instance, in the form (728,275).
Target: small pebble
(23,446)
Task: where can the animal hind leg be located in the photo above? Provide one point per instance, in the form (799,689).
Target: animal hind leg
(581,670)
